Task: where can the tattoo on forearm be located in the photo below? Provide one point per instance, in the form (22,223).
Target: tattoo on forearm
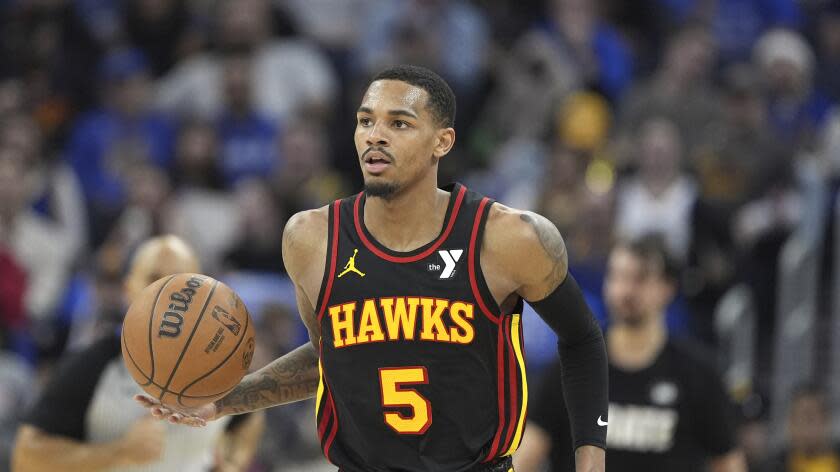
(552,243)
(288,379)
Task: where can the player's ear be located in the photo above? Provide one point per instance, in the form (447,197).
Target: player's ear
(444,141)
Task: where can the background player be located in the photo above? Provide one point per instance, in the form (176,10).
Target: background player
(668,410)
(85,418)
(404,127)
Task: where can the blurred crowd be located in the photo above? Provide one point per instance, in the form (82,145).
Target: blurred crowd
(707,121)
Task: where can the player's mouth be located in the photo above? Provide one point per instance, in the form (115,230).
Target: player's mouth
(376,162)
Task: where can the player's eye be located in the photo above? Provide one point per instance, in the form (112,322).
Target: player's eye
(400,124)
(364,121)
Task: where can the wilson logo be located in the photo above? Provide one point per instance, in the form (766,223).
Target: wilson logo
(173,318)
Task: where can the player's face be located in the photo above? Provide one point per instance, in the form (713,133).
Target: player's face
(398,139)
(634,292)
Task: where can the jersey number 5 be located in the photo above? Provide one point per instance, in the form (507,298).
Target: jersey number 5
(392,382)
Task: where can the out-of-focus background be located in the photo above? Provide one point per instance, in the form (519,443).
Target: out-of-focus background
(714,122)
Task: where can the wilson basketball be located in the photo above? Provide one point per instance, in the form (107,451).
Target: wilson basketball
(187,339)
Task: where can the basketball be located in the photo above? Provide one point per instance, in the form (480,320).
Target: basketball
(187,340)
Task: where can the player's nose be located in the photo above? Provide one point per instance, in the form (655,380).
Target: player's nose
(376,136)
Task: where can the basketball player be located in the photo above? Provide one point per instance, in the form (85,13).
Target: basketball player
(668,410)
(419,340)
(86,418)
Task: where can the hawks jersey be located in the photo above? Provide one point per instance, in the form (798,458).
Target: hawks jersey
(420,370)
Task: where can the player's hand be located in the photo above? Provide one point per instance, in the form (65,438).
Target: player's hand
(196,417)
(143,442)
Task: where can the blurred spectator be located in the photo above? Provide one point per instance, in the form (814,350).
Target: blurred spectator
(33,241)
(668,409)
(588,43)
(99,304)
(17,384)
(739,23)
(336,26)
(828,52)
(200,196)
(162,29)
(796,109)
(810,446)
(304,179)
(147,209)
(108,141)
(449,36)
(659,198)
(54,191)
(288,438)
(680,88)
(247,136)
(531,79)
(753,434)
(258,247)
(289,74)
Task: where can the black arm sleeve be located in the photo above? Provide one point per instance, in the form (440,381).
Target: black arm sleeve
(583,360)
(63,404)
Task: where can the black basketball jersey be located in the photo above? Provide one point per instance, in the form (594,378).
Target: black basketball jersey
(420,370)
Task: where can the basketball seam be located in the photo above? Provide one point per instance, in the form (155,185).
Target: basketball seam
(189,339)
(223,362)
(136,365)
(152,318)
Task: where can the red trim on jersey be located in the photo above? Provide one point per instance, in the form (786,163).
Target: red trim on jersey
(325,416)
(334,428)
(333,257)
(404,259)
(514,390)
(500,382)
(471,264)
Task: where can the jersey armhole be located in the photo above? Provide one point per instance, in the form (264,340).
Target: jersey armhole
(481,291)
(331,256)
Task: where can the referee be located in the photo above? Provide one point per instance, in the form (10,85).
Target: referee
(86,418)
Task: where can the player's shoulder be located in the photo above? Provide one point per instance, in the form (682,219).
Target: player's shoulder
(305,239)
(308,223)
(516,231)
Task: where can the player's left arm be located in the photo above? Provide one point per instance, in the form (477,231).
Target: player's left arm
(530,253)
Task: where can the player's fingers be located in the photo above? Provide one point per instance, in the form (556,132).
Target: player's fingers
(146,401)
(160,412)
(176,418)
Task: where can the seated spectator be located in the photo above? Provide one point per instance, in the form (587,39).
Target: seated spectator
(105,141)
(796,110)
(200,196)
(258,247)
(288,74)
(246,136)
(660,197)
(809,446)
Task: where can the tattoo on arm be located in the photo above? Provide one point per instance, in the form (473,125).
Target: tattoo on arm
(291,378)
(553,245)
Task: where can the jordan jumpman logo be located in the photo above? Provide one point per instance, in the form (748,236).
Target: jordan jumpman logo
(351,265)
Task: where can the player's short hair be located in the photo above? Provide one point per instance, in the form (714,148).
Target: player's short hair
(441,98)
(652,249)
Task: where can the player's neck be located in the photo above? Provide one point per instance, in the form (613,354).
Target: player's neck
(635,347)
(408,220)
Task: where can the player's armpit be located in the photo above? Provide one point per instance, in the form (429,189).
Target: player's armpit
(291,378)
(37,451)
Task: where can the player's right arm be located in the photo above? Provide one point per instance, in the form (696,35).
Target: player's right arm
(294,376)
